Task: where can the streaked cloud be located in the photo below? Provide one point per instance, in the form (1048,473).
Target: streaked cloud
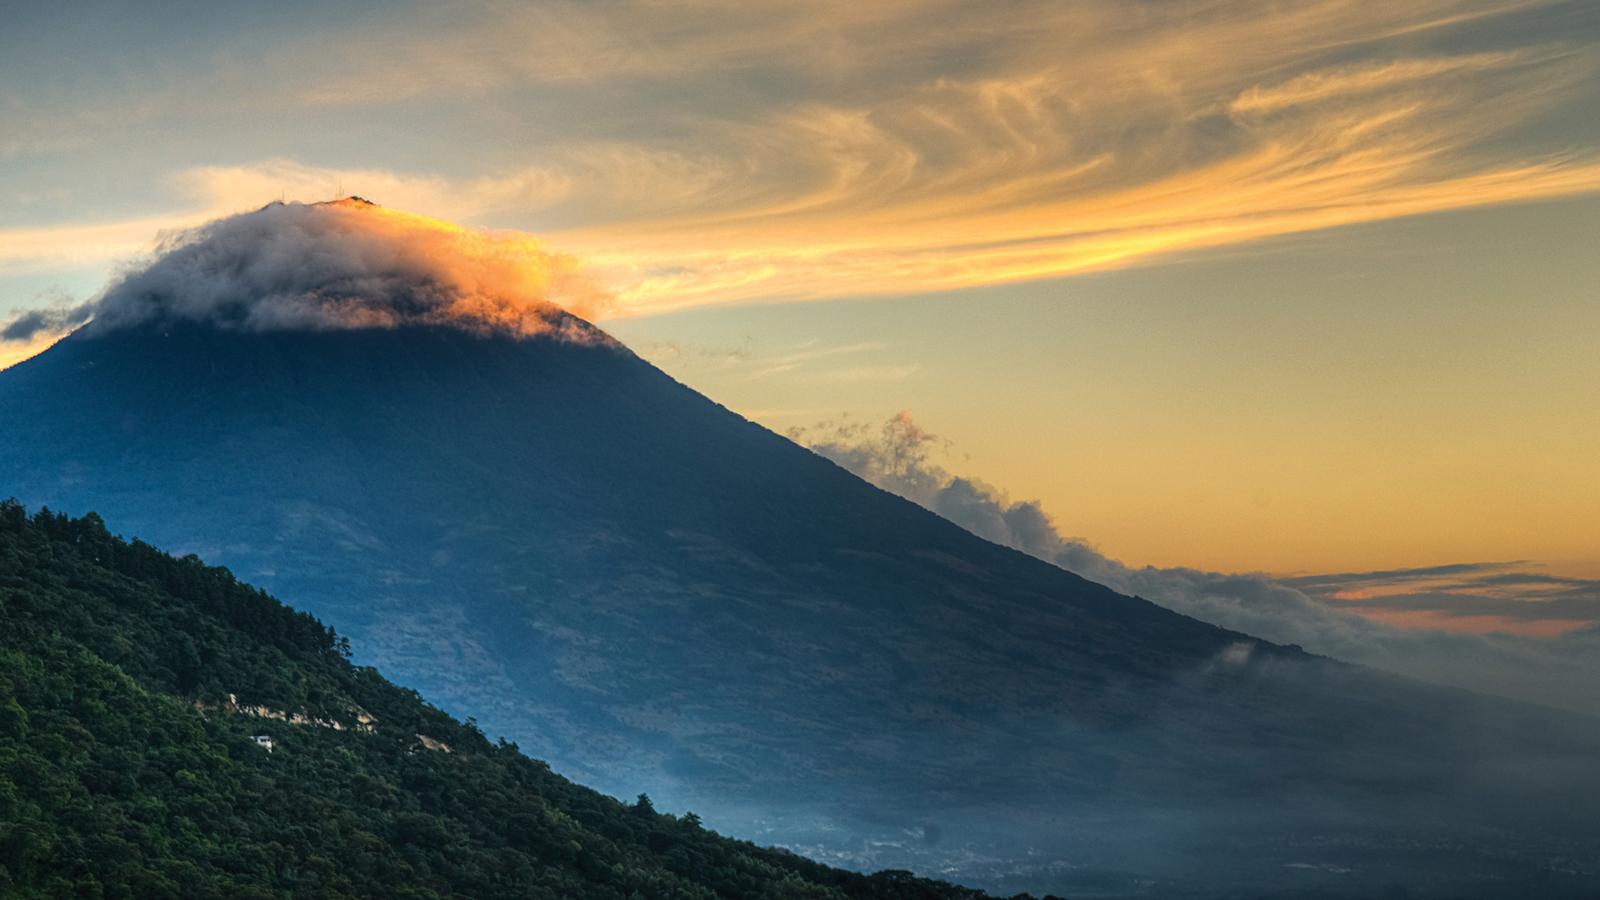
(65,246)
(776,152)
(852,374)
(1335,583)
(809,352)
(1515,596)
(1334,84)
(806,362)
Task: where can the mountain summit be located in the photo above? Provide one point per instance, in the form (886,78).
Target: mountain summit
(537,528)
(352,264)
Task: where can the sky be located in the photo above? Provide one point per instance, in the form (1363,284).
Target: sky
(1277,287)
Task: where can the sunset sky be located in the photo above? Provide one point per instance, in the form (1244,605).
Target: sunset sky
(1301,286)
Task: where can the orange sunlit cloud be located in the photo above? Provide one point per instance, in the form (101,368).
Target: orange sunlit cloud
(1435,620)
(351,264)
(1470,598)
(1068,143)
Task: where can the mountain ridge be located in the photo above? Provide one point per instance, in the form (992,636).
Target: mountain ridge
(655,593)
(128,768)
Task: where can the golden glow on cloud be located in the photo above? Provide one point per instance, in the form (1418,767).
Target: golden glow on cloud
(1434,620)
(351,264)
(13,352)
(931,146)
(1024,178)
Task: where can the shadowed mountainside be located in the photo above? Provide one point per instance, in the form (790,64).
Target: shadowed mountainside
(166,731)
(655,594)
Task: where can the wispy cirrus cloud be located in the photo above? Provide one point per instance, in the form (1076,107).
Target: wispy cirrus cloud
(1335,583)
(926,145)
(1514,596)
(810,352)
(810,361)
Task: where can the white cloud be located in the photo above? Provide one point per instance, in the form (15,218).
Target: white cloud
(896,456)
(345,264)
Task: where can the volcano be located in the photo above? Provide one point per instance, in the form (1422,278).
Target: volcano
(537,528)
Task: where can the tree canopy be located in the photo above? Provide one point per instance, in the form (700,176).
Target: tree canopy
(132,685)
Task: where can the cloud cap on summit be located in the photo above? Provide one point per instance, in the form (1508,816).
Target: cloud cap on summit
(352,264)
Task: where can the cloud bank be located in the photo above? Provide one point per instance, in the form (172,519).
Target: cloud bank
(351,264)
(1562,671)
(339,265)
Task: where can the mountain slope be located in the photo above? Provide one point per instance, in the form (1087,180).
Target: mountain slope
(655,594)
(132,686)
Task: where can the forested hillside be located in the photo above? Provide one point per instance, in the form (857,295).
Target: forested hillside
(134,686)
(655,594)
